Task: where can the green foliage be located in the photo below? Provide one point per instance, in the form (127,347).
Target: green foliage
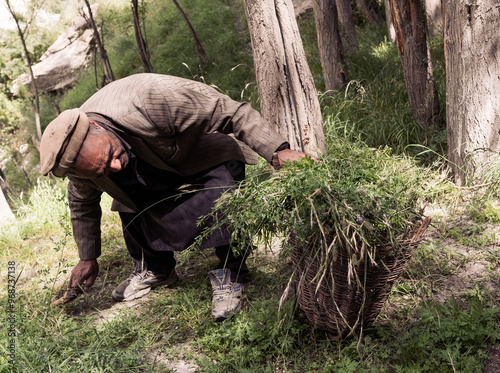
(252,340)
(374,106)
(369,191)
(76,338)
(449,334)
(362,196)
(219,27)
(49,340)
(491,212)
(46,209)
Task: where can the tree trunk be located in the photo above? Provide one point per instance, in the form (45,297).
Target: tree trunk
(199,48)
(28,62)
(106,66)
(329,44)
(434,13)
(408,19)
(4,184)
(472,86)
(369,13)
(5,211)
(347,27)
(288,97)
(391,31)
(141,43)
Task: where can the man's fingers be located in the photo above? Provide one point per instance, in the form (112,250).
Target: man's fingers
(90,280)
(81,279)
(68,296)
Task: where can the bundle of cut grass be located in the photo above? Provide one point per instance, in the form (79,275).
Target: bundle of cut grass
(349,222)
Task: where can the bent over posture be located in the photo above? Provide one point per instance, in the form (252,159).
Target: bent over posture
(140,139)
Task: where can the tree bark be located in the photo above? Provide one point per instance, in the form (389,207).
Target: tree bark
(347,28)
(434,13)
(199,48)
(408,19)
(4,184)
(329,44)
(472,86)
(391,31)
(141,43)
(5,211)
(288,97)
(28,62)
(106,66)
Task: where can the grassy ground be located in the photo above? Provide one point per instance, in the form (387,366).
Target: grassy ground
(442,315)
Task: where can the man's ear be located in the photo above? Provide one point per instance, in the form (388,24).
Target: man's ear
(116,165)
(96,125)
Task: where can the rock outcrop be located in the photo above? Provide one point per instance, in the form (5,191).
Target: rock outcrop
(59,66)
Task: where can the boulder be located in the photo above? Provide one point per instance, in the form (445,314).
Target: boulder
(59,66)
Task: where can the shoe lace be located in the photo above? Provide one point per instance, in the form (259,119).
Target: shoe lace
(222,290)
(140,274)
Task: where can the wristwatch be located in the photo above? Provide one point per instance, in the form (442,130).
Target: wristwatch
(275,160)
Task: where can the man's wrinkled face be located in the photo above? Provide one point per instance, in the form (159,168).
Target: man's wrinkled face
(100,155)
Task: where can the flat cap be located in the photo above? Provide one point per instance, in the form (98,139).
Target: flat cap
(61,142)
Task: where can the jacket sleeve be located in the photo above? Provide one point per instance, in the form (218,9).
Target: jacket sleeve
(196,108)
(247,125)
(84,204)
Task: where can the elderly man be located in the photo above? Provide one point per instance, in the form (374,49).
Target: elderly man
(165,148)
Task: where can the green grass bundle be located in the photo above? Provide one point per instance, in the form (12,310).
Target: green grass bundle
(351,212)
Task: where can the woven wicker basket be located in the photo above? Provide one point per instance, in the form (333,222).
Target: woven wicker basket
(348,298)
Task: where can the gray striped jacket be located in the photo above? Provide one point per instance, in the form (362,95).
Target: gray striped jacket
(173,124)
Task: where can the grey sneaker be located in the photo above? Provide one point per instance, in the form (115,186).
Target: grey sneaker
(139,284)
(227,296)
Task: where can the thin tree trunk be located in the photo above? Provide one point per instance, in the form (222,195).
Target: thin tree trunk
(4,184)
(5,190)
(141,43)
(5,211)
(199,48)
(391,31)
(288,97)
(28,61)
(329,43)
(347,28)
(53,101)
(369,13)
(472,87)
(108,73)
(22,169)
(434,13)
(408,19)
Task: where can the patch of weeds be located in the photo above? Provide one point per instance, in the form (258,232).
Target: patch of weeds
(482,211)
(256,339)
(50,340)
(411,287)
(474,235)
(448,337)
(433,259)
(62,264)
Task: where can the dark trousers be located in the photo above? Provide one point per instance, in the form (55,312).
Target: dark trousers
(169,221)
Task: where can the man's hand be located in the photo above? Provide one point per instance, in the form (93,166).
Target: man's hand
(285,155)
(82,278)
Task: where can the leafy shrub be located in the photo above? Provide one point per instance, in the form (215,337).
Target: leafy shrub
(448,334)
